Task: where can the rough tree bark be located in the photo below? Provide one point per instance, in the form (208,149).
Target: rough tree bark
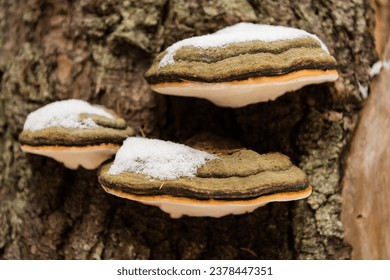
(365,194)
(98,51)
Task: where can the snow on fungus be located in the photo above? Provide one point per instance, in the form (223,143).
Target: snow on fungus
(238,33)
(242,64)
(235,182)
(158,159)
(74,132)
(64,113)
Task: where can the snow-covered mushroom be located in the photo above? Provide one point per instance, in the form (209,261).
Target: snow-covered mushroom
(74,132)
(242,64)
(185,181)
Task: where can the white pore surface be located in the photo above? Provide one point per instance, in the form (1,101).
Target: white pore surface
(177,209)
(64,114)
(73,157)
(239,95)
(238,33)
(158,159)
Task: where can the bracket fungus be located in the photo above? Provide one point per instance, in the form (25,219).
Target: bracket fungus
(74,132)
(185,181)
(242,64)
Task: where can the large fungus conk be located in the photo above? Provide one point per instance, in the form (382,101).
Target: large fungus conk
(74,132)
(185,181)
(242,64)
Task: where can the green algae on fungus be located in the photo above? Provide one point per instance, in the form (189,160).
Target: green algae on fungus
(232,183)
(74,132)
(242,64)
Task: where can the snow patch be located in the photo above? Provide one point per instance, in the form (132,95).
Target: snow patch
(238,33)
(158,159)
(363,90)
(377,67)
(64,114)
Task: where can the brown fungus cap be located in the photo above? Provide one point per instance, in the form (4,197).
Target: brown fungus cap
(242,72)
(233,183)
(73,137)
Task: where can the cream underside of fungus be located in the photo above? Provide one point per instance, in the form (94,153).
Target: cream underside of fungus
(71,132)
(177,207)
(242,64)
(241,93)
(89,157)
(181,180)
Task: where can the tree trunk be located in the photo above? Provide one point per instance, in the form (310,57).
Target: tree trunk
(98,51)
(366,183)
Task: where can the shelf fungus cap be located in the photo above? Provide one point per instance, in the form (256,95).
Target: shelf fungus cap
(185,181)
(242,64)
(74,132)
